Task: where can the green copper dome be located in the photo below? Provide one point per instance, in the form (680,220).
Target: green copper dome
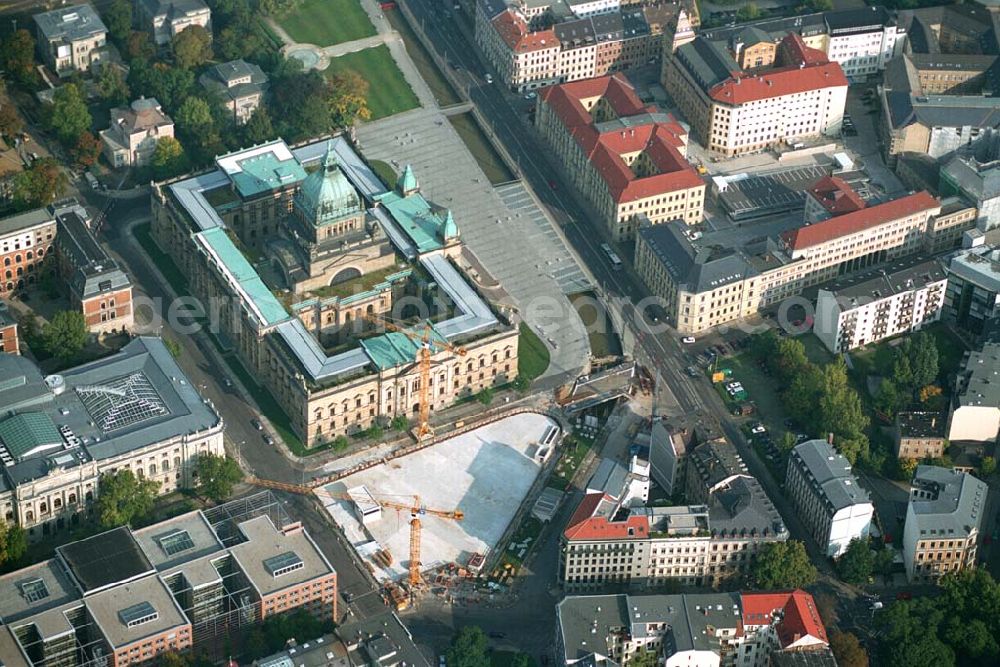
(326,195)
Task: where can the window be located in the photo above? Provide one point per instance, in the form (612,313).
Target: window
(33,590)
(138,614)
(283,564)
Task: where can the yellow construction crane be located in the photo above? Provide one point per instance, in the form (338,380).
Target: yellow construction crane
(415,509)
(426,342)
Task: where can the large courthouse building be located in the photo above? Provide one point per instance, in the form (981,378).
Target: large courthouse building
(344,254)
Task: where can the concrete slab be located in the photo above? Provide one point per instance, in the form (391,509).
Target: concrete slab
(485,473)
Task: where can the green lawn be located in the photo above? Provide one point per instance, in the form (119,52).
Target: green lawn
(443,91)
(574,449)
(532,355)
(385,172)
(388,91)
(479,145)
(327,22)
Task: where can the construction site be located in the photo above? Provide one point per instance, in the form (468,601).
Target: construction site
(447,504)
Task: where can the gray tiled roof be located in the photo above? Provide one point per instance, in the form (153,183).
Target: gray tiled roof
(707,61)
(741,507)
(219,79)
(981,377)
(698,269)
(956,504)
(16,223)
(95,271)
(70,24)
(885,281)
(830,472)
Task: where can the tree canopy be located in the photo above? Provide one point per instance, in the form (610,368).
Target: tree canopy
(13,542)
(69,117)
(65,334)
(18,55)
(39,184)
(857,563)
(118,20)
(469,648)
(217,475)
(783,565)
(192,47)
(848,650)
(124,498)
(169,159)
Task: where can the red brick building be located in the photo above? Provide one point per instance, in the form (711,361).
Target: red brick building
(8,331)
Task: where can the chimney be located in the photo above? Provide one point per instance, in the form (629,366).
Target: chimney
(829,439)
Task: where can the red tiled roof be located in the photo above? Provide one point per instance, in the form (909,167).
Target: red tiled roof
(515,34)
(745,87)
(800,617)
(660,141)
(836,196)
(858,221)
(793,52)
(583,525)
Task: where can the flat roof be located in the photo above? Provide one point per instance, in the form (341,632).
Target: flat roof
(105,559)
(133,611)
(70,24)
(921,424)
(180,539)
(34,589)
(261,168)
(981,386)
(264,543)
(901,276)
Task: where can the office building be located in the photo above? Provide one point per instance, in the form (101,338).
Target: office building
(973,296)
(943,520)
(865,308)
(627,159)
(70,39)
(975,409)
(827,496)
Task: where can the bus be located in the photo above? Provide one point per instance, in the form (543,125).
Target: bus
(616,262)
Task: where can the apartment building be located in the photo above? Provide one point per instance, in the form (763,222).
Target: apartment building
(943,520)
(9,340)
(973,173)
(174,586)
(240,84)
(861,41)
(538,44)
(165,19)
(25,242)
(670,443)
(827,496)
(920,435)
(133,410)
(947,230)
(626,158)
(735,112)
(613,538)
(70,39)
(96,284)
(704,629)
(972,301)
(321,216)
(975,409)
(867,307)
(131,138)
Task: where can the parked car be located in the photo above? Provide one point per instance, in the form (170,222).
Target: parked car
(758,430)
(256,424)
(268,440)
(687,340)
(693,372)
(489,78)
(530,96)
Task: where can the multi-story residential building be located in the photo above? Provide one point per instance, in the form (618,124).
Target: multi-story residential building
(880,303)
(701,287)
(538,44)
(973,173)
(614,539)
(920,435)
(947,230)
(703,629)
(133,410)
(734,112)
(166,19)
(25,242)
(943,520)
(240,84)
(973,296)
(97,286)
(316,230)
(827,496)
(9,341)
(669,444)
(935,104)
(627,159)
(70,39)
(125,597)
(975,409)
(134,132)
(861,41)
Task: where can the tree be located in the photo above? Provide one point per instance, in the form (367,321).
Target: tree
(790,358)
(787,442)
(987,466)
(87,150)
(783,565)
(217,475)
(299,100)
(485,396)
(173,347)
(848,650)
(112,87)
(902,372)
(803,393)
(400,423)
(348,98)
(70,117)
(857,562)
(173,659)
(887,398)
(929,392)
(13,542)
(39,185)
(196,127)
(123,498)
(18,55)
(169,85)
(884,561)
(192,47)
(468,648)
(340,443)
(522,384)
(258,129)
(65,334)
(118,20)
(139,46)
(10,121)
(924,361)
(169,159)
(748,12)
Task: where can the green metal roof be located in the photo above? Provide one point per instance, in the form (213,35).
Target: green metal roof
(416,218)
(245,275)
(395,349)
(262,173)
(326,195)
(29,433)
(407,182)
